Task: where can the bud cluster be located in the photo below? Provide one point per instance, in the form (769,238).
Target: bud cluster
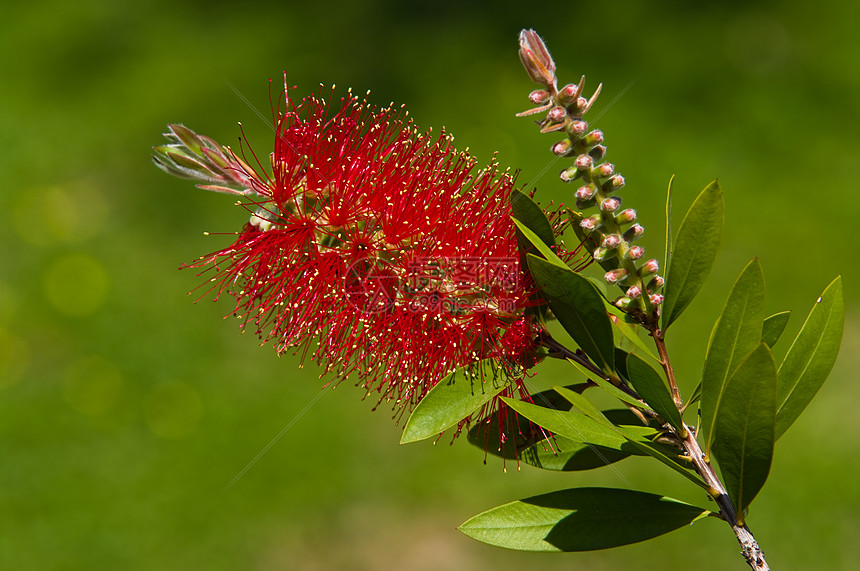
(610,229)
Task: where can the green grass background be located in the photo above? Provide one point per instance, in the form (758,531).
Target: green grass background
(126,410)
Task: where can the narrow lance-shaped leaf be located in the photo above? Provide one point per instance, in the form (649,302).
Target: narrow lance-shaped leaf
(670,247)
(579,308)
(454,398)
(695,249)
(744,431)
(773,327)
(737,332)
(531,216)
(581,519)
(811,356)
(575,426)
(651,387)
(540,448)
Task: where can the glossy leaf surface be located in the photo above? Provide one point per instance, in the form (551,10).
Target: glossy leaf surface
(581,519)
(811,356)
(736,334)
(454,398)
(695,249)
(744,431)
(578,307)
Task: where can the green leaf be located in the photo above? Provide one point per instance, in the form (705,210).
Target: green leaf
(736,333)
(531,216)
(524,443)
(811,356)
(773,327)
(540,246)
(629,333)
(607,386)
(744,431)
(671,460)
(667,253)
(584,405)
(578,427)
(653,390)
(579,308)
(581,519)
(454,398)
(695,249)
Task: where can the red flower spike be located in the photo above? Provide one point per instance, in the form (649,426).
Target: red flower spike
(380,251)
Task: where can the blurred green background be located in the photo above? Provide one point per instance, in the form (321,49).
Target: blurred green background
(126,410)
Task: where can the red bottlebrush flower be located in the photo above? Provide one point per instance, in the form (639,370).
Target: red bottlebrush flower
(381,251)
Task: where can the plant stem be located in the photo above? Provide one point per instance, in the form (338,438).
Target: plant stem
(749,546)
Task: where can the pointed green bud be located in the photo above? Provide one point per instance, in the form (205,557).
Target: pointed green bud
(650,267)
(623,302)
(577,128)
(556,115)
(610,204)
(568,94)
(634,253)
(586,192)
(570,174)
(562,148)
(634,292)
(539,96)
(584,162)
(611,241)
(612,277)
(626,216)
(590,224)
(597,153)
(594,138)
(603,171)
(536,58)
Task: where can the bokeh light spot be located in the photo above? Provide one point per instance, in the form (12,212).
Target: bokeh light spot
(60,214)
(76,284)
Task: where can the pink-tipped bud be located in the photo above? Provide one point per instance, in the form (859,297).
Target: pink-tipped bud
(614,276)
(581,104)
(583,162)
(633,292)
(611,241)
(590,224)
(626,216)
(594,138)
(603,171)
(561,148)
(655,283)
(567,94)
(610,204)
(569,174)
(577,128)
(649,268)
(539,96)
(602,253)
(635,252)
(556,114)
(616,182)
(656,299)
(634,232)
(536,58)
(597,153)
(586,192)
